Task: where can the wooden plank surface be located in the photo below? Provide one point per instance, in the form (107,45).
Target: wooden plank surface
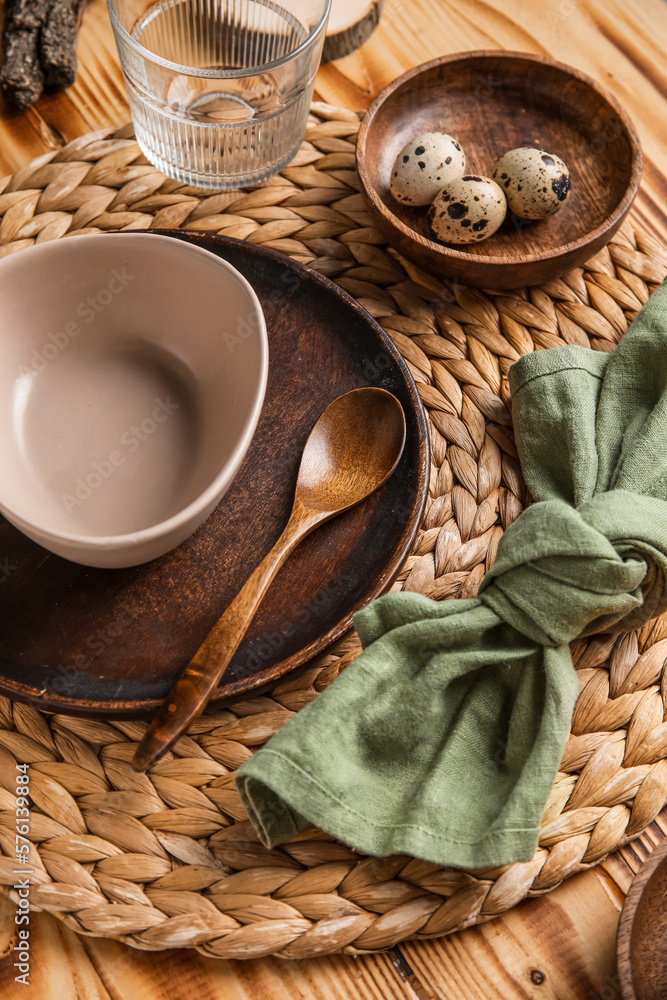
(560,946)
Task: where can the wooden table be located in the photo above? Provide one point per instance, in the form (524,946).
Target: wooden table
(560,946)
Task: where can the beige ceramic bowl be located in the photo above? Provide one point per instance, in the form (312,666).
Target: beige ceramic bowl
(132,375)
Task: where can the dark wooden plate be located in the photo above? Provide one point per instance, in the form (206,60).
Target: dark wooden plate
(491,102)
(642,931)
(92,641)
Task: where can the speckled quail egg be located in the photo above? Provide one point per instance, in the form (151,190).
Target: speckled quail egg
(468,210)
(424,166)
(536,182)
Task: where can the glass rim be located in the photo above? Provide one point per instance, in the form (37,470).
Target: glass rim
(213,74)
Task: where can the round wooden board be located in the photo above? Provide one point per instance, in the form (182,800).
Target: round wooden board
(92,641)
(351,23)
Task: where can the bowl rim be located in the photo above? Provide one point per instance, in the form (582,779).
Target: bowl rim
(106,543)
(123,35)
(640,881)
(449,252)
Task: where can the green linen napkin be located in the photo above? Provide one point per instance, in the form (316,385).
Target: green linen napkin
(443,738)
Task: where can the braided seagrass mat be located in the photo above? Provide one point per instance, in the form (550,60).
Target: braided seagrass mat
(169,859)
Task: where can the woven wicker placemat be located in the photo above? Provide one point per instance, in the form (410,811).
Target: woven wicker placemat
(169,859)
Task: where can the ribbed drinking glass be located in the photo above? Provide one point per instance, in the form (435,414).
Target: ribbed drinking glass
(219,90)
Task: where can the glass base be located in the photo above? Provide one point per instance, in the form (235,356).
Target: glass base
(216,182)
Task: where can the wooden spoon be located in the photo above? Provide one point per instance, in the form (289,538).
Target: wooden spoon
(351,451)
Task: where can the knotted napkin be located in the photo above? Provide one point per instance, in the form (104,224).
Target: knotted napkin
(443,738)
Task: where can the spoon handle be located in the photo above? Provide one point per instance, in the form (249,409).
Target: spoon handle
(192,690)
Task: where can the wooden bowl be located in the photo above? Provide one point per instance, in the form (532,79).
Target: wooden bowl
(491,102)
(642,932)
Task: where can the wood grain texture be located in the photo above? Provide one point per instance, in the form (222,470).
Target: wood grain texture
(561,946)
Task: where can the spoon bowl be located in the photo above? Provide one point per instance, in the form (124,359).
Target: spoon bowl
(351,451)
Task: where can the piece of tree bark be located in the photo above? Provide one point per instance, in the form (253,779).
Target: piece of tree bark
(351,23)
(25,14)
(57,45)
(39,47)
(22,77)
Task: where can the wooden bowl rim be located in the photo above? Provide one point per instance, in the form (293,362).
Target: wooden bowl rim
(447,252)
(628,913)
